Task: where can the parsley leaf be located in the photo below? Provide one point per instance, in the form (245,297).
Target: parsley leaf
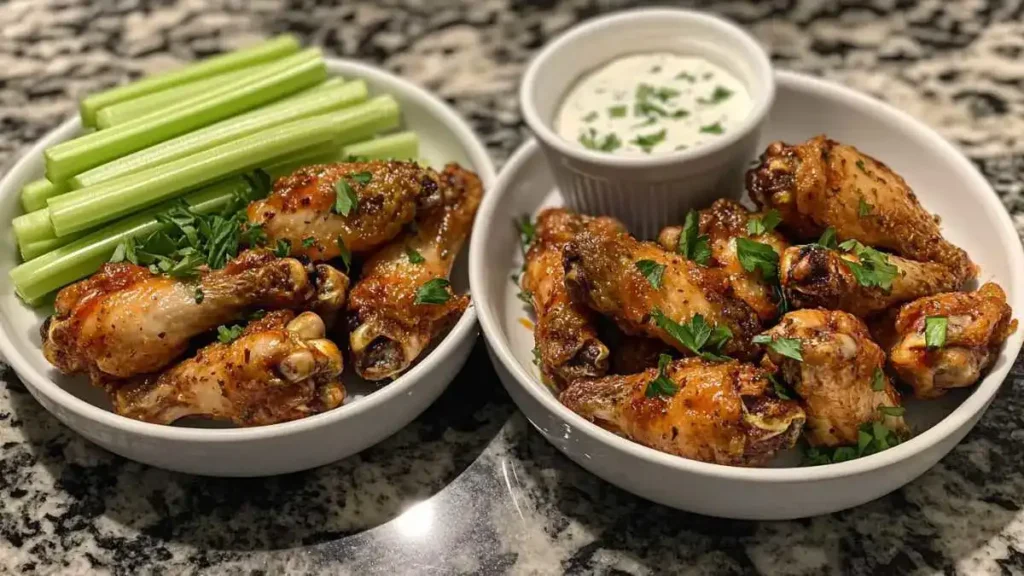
(874,269)
(345,199)
(860,164)
(228,334)
(878,380)
(863,208)
(609,143)
(692,243)
(527,231)
(758,256)
(414,256)
(781,390)
(648,141)
(363,178)
(935,331)
(199,295)
(283,248)
(617,111)
(788,347)
(345,253)
(828,238)
(765,223)
(433,292)
(715,128)
(872,437)
(308,242)
(662,385)
(720,94)
(697,335)
(652,271)
(526,296)
(891,410)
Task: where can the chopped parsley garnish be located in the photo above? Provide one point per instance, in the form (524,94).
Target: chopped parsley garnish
(648,141)
(872,437)
(758,256)
(781,390)
(680,113)
(874,269)
(649,109)
(697,335)
(362,177)
(692,244)
(618,111)
(308,242)
(414,256)
(878,380)
(345,253)
(433,292)
(715,128)
(662,385)
(590,117)
(764,224)
(526,296)
(863,208)
(345,199)
(536,356)
(228,334)
(828,239)
(652,271)
(199,295)
(527,230)
(860,164)
(935,331)
(609,143)
(720,94)
(283,248)
(788,347)
(894,411)
(686,76)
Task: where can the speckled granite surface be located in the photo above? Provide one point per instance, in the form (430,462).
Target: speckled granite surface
(469,487)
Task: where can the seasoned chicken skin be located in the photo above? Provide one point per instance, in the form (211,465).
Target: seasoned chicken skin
(725,413)
(840,379)
(565,332)
(124,320)
(601,270)
(302,208)
(389,328)
(281,368)
(823,183)
(724,222)
(816,277)
(977,324)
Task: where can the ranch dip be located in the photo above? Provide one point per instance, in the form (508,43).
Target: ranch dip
(654,103)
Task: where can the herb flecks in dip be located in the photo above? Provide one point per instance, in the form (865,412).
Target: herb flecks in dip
(653,103)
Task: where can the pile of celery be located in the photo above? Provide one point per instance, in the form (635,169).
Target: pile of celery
(190,134)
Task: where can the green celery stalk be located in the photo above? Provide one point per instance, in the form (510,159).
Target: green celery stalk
(33,227)
(36,249)
(274,49)
(35,193)
(335,96)
(281,78)
(109,200)
(399,146)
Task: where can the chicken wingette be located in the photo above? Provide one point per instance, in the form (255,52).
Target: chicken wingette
(402,299)
(565,333)
(720,412)
(633,354)
(822,183)
(829,360)
(970,327)
(280,368)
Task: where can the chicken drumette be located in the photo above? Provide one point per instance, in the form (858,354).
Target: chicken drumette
(974,327)
(822,183)
(725,413)
(281,368)
(402,299)
(839,377)
(565,333)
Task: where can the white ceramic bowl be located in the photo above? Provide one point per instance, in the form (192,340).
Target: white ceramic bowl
(363,421)
(946,183)
(646,192)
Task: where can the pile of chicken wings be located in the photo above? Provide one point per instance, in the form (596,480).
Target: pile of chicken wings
(737,332)
(166,348)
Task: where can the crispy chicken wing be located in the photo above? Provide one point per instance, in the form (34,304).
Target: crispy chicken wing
(281,368)
(823,183)
(724,222)
(977,324)
(840,379)
(124,320)
(633,354)
(816,277)
(725,413)
(601,270)
(402,300)
(565,332)
(302,208)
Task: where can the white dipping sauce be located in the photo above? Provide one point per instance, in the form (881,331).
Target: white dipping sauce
(653,103)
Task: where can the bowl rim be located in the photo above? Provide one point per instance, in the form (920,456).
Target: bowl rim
(464,328)
(762,103)
(970,408)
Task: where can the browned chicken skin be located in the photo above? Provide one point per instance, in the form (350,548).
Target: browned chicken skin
(725,413)
(724,222)
(822,183)
(389,329)
(565,332)
(600,268)
(301,211)
(633,354)
(816,277)
(281,368)
(124,320)
(977,325)
(841,367)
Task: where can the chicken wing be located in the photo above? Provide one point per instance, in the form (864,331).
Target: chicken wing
(723,223)
(601,269)
(402,300)
(124,320)
(816,277)
(725,413)
(977,324)
(823,183)
(633,354)
(565,332)
(840,377)
(378,199)
(281,368)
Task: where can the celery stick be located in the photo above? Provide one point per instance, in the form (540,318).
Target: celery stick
(35,193)
(283,77)
(400,146)
(33,227)
(88,207)
(274,49)
(35,279)
(335,96)
(38,248)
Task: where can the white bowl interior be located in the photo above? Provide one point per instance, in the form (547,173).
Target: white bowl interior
(443,138)
(946,183)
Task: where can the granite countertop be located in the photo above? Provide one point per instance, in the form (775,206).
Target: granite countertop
(470,487)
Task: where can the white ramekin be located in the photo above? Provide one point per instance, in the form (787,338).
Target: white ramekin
(647,193)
